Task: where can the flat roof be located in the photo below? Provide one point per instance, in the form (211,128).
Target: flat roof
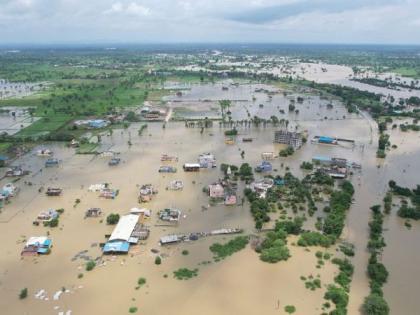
(124,228)
(192,165)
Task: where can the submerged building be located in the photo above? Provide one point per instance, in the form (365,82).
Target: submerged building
(122,236)
(293,139)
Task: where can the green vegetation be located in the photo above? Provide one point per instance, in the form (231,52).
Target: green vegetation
(307,166)
(375,304)
(231,132)
(185,252)
(141,281)
(185,273)
(405,211)
(339,297)
(90,265)
(378,275)
(112,218)
(287,152)
(23,293)
(158,260)
(290,309)
(221,251)
(132,309)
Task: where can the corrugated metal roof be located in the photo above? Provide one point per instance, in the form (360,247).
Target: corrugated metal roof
(124,228)
(120,247)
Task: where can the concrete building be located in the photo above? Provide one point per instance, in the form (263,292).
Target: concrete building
(293,139)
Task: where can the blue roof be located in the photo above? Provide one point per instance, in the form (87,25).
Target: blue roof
(326,139)
(43,250)
(321,158)
(112,247)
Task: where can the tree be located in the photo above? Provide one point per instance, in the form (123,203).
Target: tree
(158,260)
(112,218)
(375,304)
(90,265)
(23,293)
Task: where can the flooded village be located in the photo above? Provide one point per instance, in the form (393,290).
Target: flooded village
(113,230)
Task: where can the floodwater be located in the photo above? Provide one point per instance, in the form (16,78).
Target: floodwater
(12,124)
(241,284)
(18,89)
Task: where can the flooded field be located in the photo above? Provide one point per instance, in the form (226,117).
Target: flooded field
(18,89)
(13,119)
(240,284)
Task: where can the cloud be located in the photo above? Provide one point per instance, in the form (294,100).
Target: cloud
(132,8)
(367,21)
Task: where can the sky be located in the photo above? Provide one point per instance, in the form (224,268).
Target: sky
(217,21)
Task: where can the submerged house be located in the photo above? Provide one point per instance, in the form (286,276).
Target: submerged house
(48,215)
(93,212)
(230,199)
(147,192)
(216,191)
(9,190)
(262,186)
(98,123)
(51,162)
(265,166)
(167,169)
(37,245)
(191,167)
(16,171)
(207,160)
(121,238)
(53,191)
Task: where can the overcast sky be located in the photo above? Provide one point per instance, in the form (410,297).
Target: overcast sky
(143,21)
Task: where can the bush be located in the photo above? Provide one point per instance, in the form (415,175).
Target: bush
(185,273)
(286,152)
(112,218)
(290,309)
(158,260)
(90,265)
(132,309)
(315,239)
(23,293)
(377,272)
(221,251)
(231,132)
(185,252)
(275,254)
(374,304)
(53,222)
(142,281)
(307,166)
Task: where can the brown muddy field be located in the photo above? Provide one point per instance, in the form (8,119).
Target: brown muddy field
(240,284)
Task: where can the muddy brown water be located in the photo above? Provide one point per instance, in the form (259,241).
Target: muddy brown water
(240,283)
